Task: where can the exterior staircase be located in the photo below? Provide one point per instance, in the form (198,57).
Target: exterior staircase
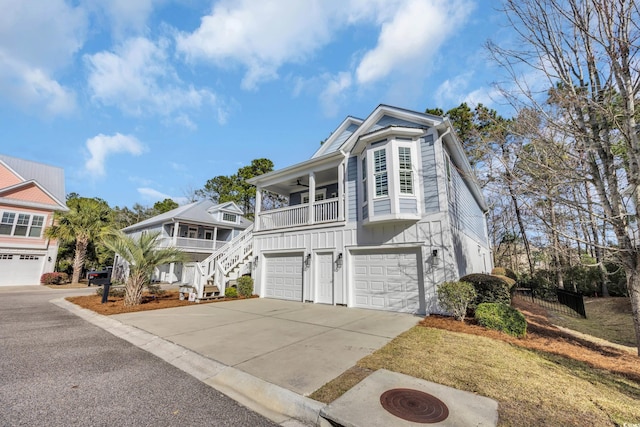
(228,262)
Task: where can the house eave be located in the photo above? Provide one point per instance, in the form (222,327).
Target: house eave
(294,171)
(34,205)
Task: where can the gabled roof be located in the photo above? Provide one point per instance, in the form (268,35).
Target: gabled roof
(197,212)
(49,179)
(338,136)
(347,139)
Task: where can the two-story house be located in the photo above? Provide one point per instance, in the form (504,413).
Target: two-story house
(198,229)
(30,193)
(381,214)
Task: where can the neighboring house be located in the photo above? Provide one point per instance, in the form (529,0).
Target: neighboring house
(199,229)
(384,211)
(30,193)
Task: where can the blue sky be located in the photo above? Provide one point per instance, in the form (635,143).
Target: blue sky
(139,100)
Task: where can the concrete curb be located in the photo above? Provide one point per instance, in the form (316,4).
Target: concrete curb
(274,402)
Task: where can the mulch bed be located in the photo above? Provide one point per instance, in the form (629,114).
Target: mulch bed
(543,336)
(115,305)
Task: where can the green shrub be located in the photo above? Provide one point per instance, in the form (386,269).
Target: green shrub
(56,278)
(245,286)
(455,297)
(488,289)
(231,293)
(502,317)
(114,291)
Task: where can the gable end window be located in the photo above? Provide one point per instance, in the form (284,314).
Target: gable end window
(229,217)
(405,170)
(380,172)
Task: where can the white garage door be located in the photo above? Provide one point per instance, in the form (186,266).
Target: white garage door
(283,276)
(386,280)
(16,269)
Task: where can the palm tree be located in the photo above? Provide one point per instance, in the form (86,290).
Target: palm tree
(143,256)
(81,225)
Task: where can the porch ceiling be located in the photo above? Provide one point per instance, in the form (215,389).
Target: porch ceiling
(298,180)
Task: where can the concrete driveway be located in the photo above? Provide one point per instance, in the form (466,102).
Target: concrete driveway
(294,345)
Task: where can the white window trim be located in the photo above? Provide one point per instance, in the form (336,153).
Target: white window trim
(392,150)
(222,214)
(387,164)
(29,225)
(320,191)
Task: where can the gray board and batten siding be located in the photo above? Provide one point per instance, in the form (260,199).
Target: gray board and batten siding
(465,213)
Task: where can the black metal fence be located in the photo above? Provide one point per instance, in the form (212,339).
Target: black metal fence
(558,300)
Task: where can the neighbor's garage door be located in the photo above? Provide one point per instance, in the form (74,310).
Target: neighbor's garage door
(386,280)
(18,269)
(283,276)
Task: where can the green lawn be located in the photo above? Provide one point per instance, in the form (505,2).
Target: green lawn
(533,388)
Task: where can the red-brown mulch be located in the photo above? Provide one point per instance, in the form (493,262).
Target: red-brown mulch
(543,336)
(115,305)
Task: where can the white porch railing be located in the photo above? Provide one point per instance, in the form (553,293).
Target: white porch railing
(193,244)
(326,211)
(292,216)
(284,217)
(223,260)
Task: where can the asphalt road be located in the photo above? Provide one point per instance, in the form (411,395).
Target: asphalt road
(58,370)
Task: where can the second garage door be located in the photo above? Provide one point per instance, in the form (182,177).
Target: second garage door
(20,269)
(283,276)
(387,280)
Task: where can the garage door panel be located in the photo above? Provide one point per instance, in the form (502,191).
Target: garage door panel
(386,280)
(21,269)
(283,276)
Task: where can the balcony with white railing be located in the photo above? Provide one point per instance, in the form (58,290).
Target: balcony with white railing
(190,244)
(299,215)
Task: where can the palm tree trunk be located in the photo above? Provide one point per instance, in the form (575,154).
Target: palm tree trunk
(133,290)
(80,256)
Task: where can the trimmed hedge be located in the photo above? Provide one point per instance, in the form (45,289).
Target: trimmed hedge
(231,293)
(502,317)
(56,278)
(455,297)
(488,289)
(245,286)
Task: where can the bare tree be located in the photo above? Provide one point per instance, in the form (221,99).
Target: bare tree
(588,52)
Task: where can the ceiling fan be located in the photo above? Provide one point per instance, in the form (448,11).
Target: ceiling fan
(300,184)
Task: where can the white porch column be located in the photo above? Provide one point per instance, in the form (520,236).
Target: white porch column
(312,197)
(257,209)
(341,191)
(171,271)
(176,232)
(215,238)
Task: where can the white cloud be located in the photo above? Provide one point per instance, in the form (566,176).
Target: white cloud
(34,47)
(410,38)
(158,196)
(261,36)
(102,146)
(127,15)
(139,79)
(334,93)
(452,90)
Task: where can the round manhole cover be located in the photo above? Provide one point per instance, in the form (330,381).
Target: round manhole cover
(414,405)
